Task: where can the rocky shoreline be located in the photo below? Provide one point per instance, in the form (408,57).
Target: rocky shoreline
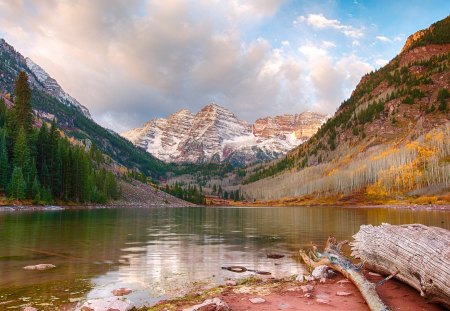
(123,204)
(321,290)
(268,294)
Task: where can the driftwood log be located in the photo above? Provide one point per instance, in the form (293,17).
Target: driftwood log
(332,258)
(417,254)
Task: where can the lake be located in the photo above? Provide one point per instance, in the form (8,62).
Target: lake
(162,252)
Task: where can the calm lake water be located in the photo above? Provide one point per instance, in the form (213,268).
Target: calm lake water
(162,252)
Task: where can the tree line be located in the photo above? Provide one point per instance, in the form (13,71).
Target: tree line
(190,193)
(42,165)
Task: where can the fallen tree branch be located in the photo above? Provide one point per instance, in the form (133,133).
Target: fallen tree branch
(420,254)
(387,279)
(333,259)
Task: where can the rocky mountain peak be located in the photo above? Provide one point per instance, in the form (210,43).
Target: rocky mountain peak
(437,34)
(216,134)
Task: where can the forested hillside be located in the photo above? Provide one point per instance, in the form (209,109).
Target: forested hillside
(391,137)
(41,165)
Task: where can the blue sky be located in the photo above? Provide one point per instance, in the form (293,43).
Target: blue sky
(130,61)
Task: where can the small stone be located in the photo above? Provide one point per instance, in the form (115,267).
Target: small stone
(321,272)
(343,293)
(309,278)
(41,266)
(283,305)
(306,288)
(29,309)
(307,295)
(121,291)
(122,304)
(230,283)
(343,281)
(374,274)
(300,278)
(324,301)
(75,299)
(214,304)
(257,300)
(322,280)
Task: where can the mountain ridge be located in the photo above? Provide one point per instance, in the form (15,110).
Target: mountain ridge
(396,123)
(38,77)
(215,134)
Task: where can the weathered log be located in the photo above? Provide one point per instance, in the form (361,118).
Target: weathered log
(333,259)
(419,254)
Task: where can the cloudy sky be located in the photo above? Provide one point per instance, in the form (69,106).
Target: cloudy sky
(132,60)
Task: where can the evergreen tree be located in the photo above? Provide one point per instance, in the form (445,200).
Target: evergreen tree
(22,100)
(17,184)
(42,152)
(4,164)
(2,112)
(36,190)
(21,155)
(11,127)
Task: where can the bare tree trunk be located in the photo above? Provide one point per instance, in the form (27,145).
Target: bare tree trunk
(333,259)
(419,254)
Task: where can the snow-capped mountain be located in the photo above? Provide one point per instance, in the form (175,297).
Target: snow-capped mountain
(12,62)
(215,134)
(52,87)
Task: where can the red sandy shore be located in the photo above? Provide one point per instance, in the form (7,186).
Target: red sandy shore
(289,296)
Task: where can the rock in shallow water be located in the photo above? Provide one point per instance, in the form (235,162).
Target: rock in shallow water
(121,291)
(41,266)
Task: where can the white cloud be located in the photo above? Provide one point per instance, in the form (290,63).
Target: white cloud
(128,63)
(312,51)
(328,44)
(321,22)
(331,80)
(383,39)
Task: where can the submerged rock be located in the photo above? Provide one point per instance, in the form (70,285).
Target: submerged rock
(214,304)
(121,291)
(41,266)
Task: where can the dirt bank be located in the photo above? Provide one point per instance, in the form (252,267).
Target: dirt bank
(335,294)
